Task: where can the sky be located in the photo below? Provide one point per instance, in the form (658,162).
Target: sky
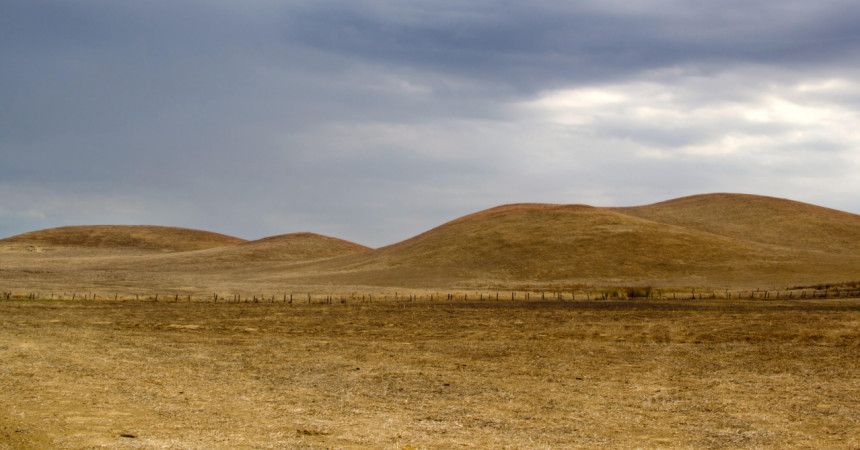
(375,120)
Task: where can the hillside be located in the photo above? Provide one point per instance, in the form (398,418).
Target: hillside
(111,237)
(759,219)
(536,244)
(716,240)
(293,247)
(296,247)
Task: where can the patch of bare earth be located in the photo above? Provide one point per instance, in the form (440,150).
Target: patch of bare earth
(397,374)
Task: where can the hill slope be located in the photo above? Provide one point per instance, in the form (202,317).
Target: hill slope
(760,219)
(111,237)
(538,243)
(717,240)
(293,247)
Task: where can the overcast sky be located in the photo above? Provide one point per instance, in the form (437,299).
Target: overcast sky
(374,120)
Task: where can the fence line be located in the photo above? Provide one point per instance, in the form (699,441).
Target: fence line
(288,298)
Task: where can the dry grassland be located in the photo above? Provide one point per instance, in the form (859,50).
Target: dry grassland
(714,241)
(507,374)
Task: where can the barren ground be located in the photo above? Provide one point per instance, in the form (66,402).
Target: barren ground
(706,373)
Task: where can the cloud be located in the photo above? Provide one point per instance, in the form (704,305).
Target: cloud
(668,117)
(764,134)
(540,44)
(375,120)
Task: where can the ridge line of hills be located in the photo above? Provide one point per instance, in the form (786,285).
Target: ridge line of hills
(711,239)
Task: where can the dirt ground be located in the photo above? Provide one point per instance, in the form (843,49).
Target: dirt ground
(705,373)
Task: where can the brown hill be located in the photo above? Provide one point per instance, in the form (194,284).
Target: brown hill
(759,219)
(718,240)
(293,247)
(111,237)
(533,244)
(140,269)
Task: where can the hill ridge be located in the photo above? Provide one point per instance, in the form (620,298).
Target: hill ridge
(148,237)
(761,219)
(297,247)
(704,240)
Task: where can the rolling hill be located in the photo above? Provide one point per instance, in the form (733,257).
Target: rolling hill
(715,240)
(533,244)
(759,219)
(128,237)
(290,248)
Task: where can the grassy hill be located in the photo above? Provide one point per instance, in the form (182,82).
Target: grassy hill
(537,244)
(138,237)
(293,247)
(759,219)
(716,240)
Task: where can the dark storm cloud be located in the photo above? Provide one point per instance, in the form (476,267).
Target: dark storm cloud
(375,120)
(546,44)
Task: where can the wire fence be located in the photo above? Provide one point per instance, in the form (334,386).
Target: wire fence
(602,294)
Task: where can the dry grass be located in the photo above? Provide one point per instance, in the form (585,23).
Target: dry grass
(428,375)
(291,248)
(113,237)
(714,241)
(574,244)
(422,374)
(766,220)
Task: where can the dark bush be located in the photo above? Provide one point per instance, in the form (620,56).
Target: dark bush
(639,292)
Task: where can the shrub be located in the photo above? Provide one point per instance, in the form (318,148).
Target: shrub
(639,292)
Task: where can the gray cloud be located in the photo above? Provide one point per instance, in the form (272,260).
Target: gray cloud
(375,120)
(542,44)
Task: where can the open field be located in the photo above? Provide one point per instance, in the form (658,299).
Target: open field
(704,373)
(432,362)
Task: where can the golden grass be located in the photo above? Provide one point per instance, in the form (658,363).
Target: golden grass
(405,372)
(767,220)
(713,241)
(701,374)
(532,244)
(294,247)
(139,237)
